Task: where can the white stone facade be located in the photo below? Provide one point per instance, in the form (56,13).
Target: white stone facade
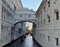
(17,3)
(6,24)
(25,15)
(6,21)
(9,16)
(48,23)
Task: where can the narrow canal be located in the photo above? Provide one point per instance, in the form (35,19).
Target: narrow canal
(28,42)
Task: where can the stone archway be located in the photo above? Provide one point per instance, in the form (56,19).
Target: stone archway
(14,35)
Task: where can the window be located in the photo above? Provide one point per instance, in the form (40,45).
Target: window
(49,38)
(29,15)
(48,18)
(43,35)
(57,41)
(44,21)
(2,12)
(4,1)
(55,1)
(49,3)
(57,15)
(40,34)
(44,9)
(20,15)
(2,26)
(41,22)
(14,7)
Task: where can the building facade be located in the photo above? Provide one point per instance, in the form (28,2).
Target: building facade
(12,12)
(7,10)
(47,32)
(18,4)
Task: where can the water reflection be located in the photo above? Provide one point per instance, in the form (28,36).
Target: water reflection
(28,42)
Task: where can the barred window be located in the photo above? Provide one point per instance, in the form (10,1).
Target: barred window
(57,15)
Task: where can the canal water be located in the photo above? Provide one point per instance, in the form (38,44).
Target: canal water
(28,42)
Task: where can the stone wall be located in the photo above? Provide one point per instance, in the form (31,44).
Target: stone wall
(48,32)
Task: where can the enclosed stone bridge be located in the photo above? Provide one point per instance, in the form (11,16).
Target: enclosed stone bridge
(25,15)
(22,16)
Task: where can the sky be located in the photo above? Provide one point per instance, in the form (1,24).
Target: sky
(30,25)
(31,4)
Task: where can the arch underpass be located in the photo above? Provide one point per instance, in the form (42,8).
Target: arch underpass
(19,31)
(20,18)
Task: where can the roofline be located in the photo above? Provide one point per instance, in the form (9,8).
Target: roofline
(40,7)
